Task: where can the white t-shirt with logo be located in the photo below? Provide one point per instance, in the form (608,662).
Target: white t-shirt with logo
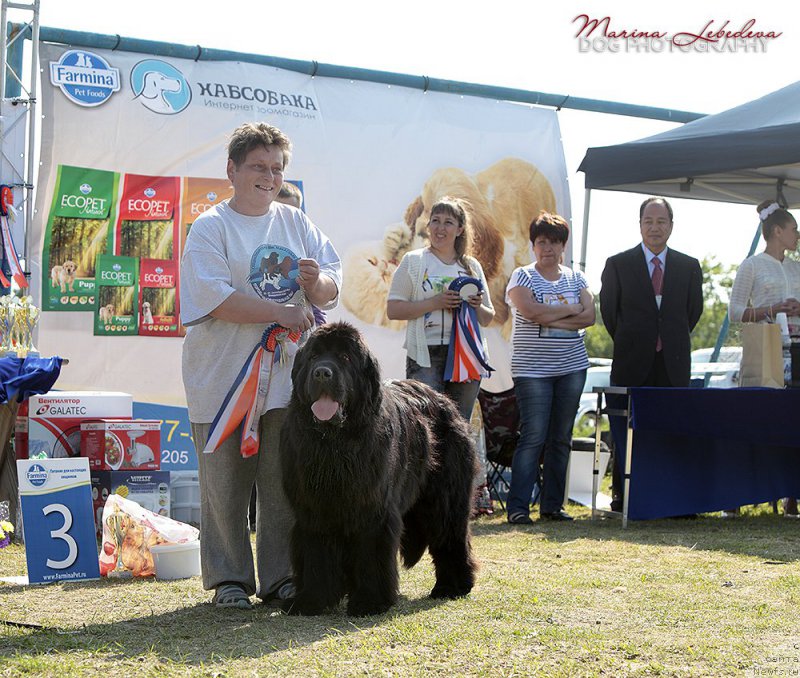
(436,278)
(226,252)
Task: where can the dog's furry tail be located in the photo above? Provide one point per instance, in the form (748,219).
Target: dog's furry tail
(413,542)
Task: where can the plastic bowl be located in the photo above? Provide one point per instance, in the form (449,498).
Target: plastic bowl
(176,561)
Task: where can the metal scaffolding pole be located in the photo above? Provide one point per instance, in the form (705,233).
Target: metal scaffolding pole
(18,115)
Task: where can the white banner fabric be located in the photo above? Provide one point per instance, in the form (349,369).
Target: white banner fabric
(371,158)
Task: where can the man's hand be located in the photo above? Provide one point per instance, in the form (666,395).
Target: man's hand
(295,318)
(308,274)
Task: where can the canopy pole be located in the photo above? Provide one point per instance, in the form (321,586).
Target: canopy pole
(723,330)
(585,235)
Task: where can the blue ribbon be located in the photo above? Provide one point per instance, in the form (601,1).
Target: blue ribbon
(466,327)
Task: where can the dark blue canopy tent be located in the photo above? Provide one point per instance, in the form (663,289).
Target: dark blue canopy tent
(742,155)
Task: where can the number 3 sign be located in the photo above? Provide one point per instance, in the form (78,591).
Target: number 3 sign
(57,517)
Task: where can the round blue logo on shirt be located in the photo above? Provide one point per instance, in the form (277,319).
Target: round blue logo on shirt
(273,273)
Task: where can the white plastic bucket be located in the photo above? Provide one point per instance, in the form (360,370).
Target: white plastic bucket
(186,513)
(176,561)
(185,487)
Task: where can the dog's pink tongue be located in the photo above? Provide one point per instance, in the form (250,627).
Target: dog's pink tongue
(324,408)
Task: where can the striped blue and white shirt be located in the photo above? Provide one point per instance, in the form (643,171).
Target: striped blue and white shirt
(541,351)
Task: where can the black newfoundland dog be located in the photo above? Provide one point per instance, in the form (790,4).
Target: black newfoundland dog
(371,468)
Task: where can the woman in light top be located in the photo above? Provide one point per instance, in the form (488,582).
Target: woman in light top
(552,307)
(769,282)
(419,294)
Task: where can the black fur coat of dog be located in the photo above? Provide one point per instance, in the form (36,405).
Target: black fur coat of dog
(370,469)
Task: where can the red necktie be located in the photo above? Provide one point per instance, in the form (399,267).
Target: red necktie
(658,282)
(658,275)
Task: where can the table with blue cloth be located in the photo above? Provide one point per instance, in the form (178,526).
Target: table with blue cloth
(700,450)
(19,379)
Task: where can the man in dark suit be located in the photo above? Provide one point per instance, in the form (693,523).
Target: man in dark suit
(651,298)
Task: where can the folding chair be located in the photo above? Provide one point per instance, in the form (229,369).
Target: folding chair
(501,429)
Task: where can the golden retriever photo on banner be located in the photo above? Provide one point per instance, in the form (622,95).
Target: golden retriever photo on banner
(502,201)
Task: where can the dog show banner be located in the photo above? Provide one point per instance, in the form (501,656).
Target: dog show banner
(139,150)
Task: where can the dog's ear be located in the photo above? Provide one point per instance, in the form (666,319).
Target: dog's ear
(370,400)
(299,366)
(487,243)
(413,212)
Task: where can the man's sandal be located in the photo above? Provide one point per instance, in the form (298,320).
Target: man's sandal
(519,519)
(232,595)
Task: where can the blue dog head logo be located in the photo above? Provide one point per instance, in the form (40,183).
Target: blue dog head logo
(160,87)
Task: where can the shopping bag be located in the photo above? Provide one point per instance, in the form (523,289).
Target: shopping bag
(130,530)
(762,356)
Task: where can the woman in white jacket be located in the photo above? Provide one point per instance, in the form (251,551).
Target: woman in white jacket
(419,294)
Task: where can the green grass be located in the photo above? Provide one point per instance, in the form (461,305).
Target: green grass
(705,597)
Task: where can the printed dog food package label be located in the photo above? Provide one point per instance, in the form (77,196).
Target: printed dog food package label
(113,445)
(200,195)
(158,298)
(117,296)
(147,227)
(77,232)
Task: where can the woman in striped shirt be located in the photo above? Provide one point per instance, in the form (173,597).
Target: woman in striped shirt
(552,305)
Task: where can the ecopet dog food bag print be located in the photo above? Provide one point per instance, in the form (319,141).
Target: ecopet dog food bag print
(147,227)
(77,232)
(198,196)
(116,312)
(158,298)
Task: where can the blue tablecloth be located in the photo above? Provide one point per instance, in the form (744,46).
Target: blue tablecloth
(21,378)
(699,450)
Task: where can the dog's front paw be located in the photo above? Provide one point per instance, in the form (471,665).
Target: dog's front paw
(397,241)
(366,608)
(450,591)
(302,608)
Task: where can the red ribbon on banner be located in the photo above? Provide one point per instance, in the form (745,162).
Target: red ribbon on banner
(7,211)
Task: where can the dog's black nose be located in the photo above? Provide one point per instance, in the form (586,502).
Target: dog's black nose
(323,373)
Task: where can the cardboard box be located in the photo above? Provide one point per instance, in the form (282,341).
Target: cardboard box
(149,489)
(54,419)
(120,444)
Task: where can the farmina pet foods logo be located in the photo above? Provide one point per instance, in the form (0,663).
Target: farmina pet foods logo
(160,87)
(85,78)
(37,475)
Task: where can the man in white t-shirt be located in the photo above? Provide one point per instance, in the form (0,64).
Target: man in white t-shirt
(248,263)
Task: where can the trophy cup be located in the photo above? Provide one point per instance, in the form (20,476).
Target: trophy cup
(6,321)
(26,315)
